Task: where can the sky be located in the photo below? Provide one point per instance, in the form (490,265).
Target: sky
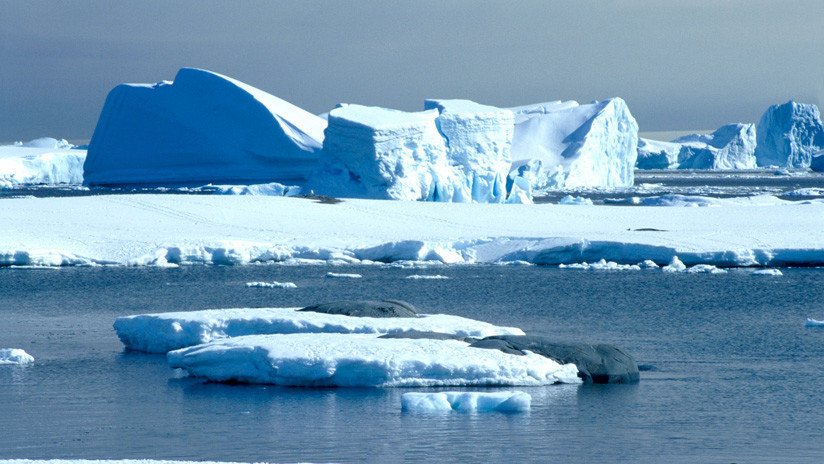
(680,65)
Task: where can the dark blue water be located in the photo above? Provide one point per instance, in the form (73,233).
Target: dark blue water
(737,377)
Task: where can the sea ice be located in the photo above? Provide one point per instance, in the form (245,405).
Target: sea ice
(271,284)
(427,277)
(341,275)
(789,135)
(705,269)
(201,128)
(478,142)
(601,265)
(358,360)
(15,356)
(571,200)
(768,272)
(159,333)
(416,402)
(559,146)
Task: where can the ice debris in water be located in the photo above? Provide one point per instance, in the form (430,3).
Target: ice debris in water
(515,401)
(706,268)
(601,265)
(15,356)
(427,277)
(675,266)
(341,275)
(271,284)
(768,272)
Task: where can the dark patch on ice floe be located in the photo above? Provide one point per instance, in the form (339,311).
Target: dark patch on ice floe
(365,308)
(419,334)
(598,363)
(323,199)
(649,229)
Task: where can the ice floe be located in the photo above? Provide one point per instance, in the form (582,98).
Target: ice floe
(420,402)
(271,284)
(601,265)
(358,360)
(15,356)
(427,277)
(768,272)
(159,333)
(342,275)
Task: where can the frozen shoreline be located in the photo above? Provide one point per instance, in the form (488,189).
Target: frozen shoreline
(168,230)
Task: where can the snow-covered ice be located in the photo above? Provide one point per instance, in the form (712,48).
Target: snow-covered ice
(478,142)
(565,145)
(15,356)
(705,269)
(601,265)
(419,402)
(358,360)
(159,333)
(44,161)
(789,135)
(271,284)
(202,128)
(343,275)
(571,200)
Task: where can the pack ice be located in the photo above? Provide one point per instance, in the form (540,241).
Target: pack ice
(201,128)
(159,333)
(789,135)
(731,146)
(560,145)
(363,360)
(43,161)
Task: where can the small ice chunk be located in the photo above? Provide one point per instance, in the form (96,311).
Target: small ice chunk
(427,277)
(705,268)
(514,401)
(675,266)
(571,200)
(768,272)
(601,265)
(15,356)
(648,264)
(271,284)
(340,275)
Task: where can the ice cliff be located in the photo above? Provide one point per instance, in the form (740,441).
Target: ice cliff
(789,135)
(201,128)
(565,145)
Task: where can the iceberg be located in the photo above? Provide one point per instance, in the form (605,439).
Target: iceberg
(731,146)
(159,333)
(653,154)
(416,402)
(478,142)
(360,360)
(43,161)
(563,145)
(789,135)
(201,128)
(372,152)
(15,356)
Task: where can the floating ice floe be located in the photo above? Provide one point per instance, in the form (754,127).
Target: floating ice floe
(201,128)
(705,269)
(676,265)
(15,356)
(602,265)
(565,145)
(271,284)
(342,275)
(44,161)
(159,333)
(415,402)
(358,360)
(768,272)
(427,277)
(789,135)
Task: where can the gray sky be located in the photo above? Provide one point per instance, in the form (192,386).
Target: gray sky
(689,64)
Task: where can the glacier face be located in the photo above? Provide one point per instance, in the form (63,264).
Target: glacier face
(789,135)
(372,152)
(565,145)
(201,128)
(478,142)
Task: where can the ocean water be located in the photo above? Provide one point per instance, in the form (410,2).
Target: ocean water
(731,374)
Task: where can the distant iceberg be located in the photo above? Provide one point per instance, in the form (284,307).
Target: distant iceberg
(202,128)
(731,146)
(43,161)
(561,145)
(654,154)
(789,135)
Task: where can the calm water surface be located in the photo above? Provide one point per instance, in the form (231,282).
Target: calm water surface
(736,377)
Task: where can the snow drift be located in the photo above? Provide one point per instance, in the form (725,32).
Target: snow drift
(565,145)
(789,135)
(202,128)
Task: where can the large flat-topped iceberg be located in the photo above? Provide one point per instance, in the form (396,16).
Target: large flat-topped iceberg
(359,360)
(159,333)
(44,161)
(478,142)
(789,135)
(560,145)
(371,152)
(731,146)
(202,128)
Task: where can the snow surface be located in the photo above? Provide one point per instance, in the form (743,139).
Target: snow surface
(565,145)
(358,360)
(677,200)
(197,229)
(416,402)
(201,128)
(789,135)
(159,333)
(15,356)
(478,142)
(271,284)
(44,161)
